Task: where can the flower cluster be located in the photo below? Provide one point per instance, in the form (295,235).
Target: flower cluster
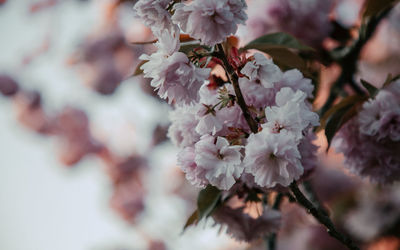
(208,123)
(370,141)
(219,146)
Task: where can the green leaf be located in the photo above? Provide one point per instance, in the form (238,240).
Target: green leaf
(276,40)
(337,120)
(207,200)
(372,90)
(373,7)
(339,114)
(186,48)
(138,70)
(286,59)
(189,47)
(334,123)
(192,220)
(225,98)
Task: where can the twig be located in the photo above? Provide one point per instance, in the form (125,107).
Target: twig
(321,217)
(313,197)
(348,61)
(233,78)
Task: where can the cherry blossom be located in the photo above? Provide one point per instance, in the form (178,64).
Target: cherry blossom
(210,21)
(263,70)
(290,114)
(182,130)
(221,161)
(272,158)
(173,75)
(155,15)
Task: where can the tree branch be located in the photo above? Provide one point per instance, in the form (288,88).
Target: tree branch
(321,217)
(348,58)
(301,199)
(233,78)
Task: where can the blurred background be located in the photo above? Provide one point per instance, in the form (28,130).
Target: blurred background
(84,160)
(60,189)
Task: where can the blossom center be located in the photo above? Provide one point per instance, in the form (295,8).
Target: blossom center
(219,155)
(277,128)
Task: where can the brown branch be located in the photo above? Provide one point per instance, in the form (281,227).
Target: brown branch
(348,57)
(233,78)
(321,217)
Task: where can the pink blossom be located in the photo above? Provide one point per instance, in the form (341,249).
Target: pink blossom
(173,75)
(194,174)
(263,70)
(268,16)
(366,157)
(294,79)
(291,113)
(212,118)
(272,158)
(380,117)
(308,151)
(182,130)
(206,113)
(255,94)
(210,21)
(154,14)
(221,161)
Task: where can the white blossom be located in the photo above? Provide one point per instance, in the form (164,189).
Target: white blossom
(290,114)
(182,130)
(272,158)
(294,79)
(263,70)
(211,21)
(381,117)
(221,161)
(194,174)
(173,75)
(154,14)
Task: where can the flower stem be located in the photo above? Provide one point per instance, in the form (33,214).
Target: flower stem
(321,217)
(233,78)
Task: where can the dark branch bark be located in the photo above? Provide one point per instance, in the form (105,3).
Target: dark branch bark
(321,217)
(233,78)
(349,58)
